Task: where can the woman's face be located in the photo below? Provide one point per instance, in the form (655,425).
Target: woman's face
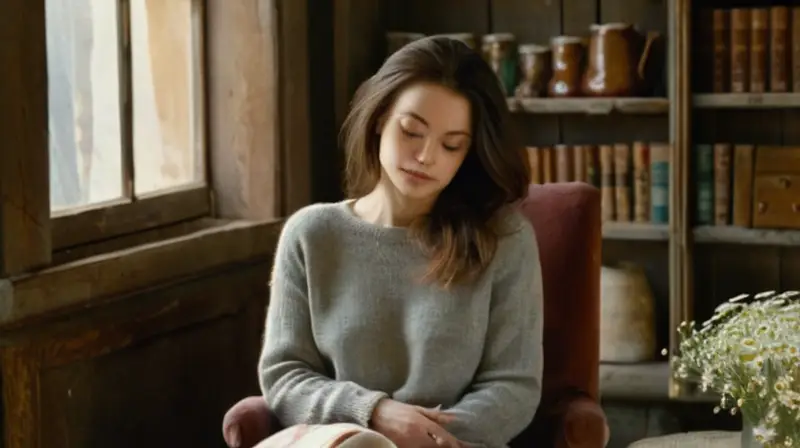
(424,138)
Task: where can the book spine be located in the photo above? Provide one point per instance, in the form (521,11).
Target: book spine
(593,165)
(641,182)
(579,163)
(743,165)
(659,182)
(778,49)
(721,51)
(704,182)
(607,182)
(722,184)
(740,44)
(795,48)
(535,161)
(548,164)
(759,36)
(622,181)
(563,163)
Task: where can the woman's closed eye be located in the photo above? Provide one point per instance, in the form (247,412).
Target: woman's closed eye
(454,144)
(409,133)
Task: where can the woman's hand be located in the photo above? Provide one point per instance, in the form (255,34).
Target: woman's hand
(410,426)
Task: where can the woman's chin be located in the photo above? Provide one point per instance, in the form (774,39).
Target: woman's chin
(415,192)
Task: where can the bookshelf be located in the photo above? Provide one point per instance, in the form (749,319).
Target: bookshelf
(740,226)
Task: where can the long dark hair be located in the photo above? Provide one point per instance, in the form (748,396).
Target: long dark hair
(461,231)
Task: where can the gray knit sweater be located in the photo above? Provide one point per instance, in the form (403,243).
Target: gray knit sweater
(348,324)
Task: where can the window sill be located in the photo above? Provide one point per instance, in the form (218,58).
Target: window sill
(104,221)
(88,281)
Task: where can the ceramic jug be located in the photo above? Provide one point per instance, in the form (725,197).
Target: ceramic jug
(617,61)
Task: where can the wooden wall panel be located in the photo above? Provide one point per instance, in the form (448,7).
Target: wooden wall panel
(295,154)
(244,131)
(646,14)
(163,365)
(326,159)
(438,16)
(578,15)
(25,240)
(531,21)
(359,47)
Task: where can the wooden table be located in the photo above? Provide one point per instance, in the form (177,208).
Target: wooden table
(704,439)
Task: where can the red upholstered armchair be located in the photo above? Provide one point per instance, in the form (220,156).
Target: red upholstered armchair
(566,217)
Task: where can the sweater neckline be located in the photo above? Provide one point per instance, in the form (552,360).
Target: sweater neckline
(359,224)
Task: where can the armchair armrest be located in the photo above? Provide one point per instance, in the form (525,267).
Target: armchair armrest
(248,422)
(582,424)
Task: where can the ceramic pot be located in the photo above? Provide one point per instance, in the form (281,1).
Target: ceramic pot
(535,64)
(627,314)
(567,65)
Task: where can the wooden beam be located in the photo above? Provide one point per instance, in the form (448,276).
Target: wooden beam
(359,47)
(294,105)
(243,117)
(88,282)
(681,262)
(24,186)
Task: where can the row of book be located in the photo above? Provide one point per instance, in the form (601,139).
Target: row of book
(747,50)
(633,178)
(746,185)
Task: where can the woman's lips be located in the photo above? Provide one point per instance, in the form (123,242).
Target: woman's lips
(416,174)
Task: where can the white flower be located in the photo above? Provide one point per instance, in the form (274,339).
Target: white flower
(763,435)
(749,354)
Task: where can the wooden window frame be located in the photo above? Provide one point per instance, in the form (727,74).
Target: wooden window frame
(102,221)
(133,213)
(258,156)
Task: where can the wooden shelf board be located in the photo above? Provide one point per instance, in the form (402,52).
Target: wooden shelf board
(646,381)
(592,106)
(747,100)
(635,381)
(635,231)
(741,235)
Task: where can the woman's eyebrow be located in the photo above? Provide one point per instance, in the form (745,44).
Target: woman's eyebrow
(415,116)
(419,118)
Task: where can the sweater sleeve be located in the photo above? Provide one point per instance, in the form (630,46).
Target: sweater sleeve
(291,369)
(506,390)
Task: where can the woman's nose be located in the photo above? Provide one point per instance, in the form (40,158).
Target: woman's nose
(427,153)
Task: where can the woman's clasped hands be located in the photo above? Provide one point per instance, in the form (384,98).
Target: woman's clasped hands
(411,426)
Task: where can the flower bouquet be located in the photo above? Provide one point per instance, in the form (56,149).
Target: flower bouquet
(749,354)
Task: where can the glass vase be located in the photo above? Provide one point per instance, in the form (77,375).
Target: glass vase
(748,440)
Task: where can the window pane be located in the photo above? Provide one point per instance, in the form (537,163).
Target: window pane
(84,105)
(166,107)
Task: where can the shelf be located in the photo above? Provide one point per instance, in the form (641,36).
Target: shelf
(591,106)
(741,235)
(635,381)
(635,231)
(747,100)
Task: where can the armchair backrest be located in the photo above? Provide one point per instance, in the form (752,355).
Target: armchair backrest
(566,219)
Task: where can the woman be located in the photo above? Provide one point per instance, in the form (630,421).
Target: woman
(424,289)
